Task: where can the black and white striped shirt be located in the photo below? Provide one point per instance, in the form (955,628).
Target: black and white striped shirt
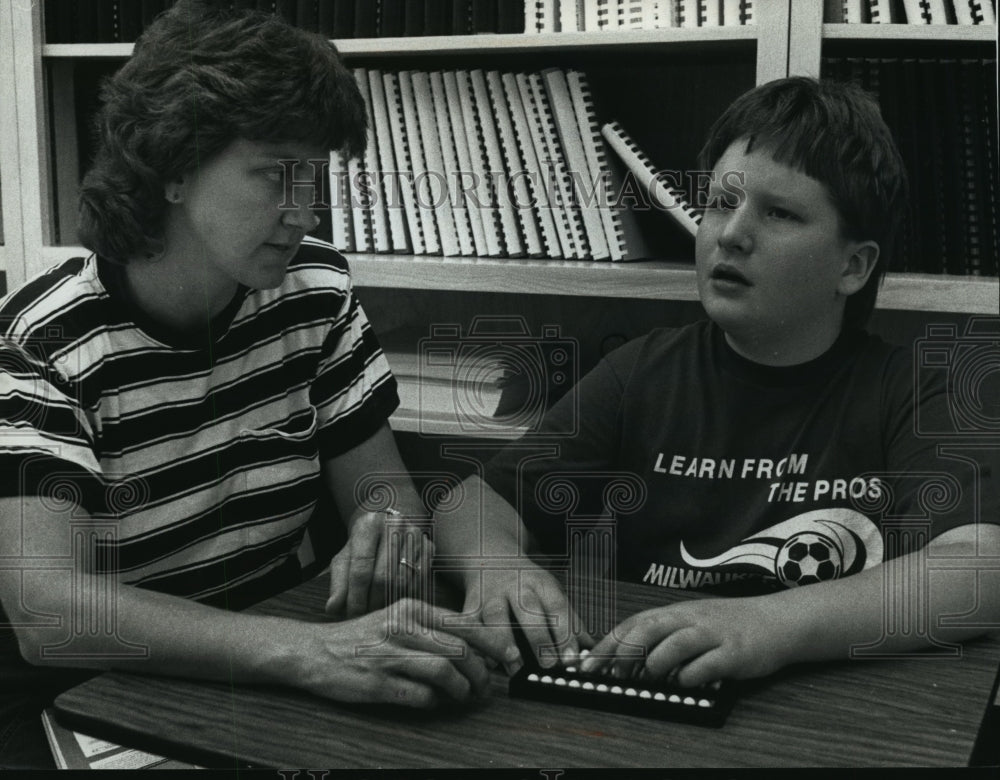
(200,455)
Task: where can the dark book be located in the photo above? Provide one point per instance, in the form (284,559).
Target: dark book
(366,19)
(957,205)
(129,20)
(437,17)
(510,16)
(59,24)
(343,18)
(306,15)
(461,17)
(991,162)
(85,21)
(484,16)
(150,10)
(391,18)
(106,21)
(325,18)
(413,18)
(287,10)
(932,214)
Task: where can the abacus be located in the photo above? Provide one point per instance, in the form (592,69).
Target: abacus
(706,705)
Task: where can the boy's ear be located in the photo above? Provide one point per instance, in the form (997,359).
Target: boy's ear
(858,267)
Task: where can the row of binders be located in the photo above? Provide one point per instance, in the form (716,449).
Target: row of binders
(943,115)
(551,16)
(108,21)
(911,11)
(490,164)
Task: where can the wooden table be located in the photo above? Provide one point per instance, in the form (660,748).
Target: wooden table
(919,711)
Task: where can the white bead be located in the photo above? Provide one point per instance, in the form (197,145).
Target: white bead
(560,681)
(675,699)
(546,678)
(689,700)
(533,677)
(574,683)
(588,686)
(631,692)
(659,696)
(602,687)
(645,695)
(616,689)
(704,703)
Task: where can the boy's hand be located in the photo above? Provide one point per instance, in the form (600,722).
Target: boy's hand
(371,571)
(535,599)
(704,640)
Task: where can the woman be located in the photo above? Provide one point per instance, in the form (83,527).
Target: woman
(181,398)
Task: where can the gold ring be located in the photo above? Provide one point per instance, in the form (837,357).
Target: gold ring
(415,567)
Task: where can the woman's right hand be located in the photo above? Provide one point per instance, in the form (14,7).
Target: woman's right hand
(407,653)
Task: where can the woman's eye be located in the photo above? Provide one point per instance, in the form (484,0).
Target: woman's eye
(272,174)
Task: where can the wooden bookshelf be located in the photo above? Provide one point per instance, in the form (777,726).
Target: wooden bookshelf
(788,37)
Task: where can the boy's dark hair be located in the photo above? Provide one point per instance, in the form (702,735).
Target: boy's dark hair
(834,133)
(200,78)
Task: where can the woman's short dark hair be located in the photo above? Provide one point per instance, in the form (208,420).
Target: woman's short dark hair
(200,78)
(834,133)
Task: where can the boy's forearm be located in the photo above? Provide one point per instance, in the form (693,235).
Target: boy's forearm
(896,607)
(484,526)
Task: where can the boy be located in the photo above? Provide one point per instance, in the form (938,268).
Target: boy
(775,431)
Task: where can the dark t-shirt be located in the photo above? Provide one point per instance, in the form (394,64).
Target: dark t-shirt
(709,469)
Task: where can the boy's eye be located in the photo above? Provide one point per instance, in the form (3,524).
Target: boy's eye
(779,213)
(272,174)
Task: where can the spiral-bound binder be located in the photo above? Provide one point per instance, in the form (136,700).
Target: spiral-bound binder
(459,121)
(547,183)
(582,176)
(454,196)
(340,203)
(360,199)
(379,218)
(492,231)
(916,12)
(565,203)
(511,237)
(401,148)
(388,168)
(963,12)
(936,9)
(534,175)
(664,197)
(624,239)
(418,164)
(881,11)
(983,12)
(516,193)
(437,188)
(709,13)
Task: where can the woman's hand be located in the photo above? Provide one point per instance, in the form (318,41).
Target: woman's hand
(385,558)
(406,653)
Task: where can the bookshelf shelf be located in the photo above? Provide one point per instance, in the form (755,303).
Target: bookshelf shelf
(659,280)
(457,45)
(916,33)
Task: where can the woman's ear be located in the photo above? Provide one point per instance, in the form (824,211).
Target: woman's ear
(174,190)
(859,266)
